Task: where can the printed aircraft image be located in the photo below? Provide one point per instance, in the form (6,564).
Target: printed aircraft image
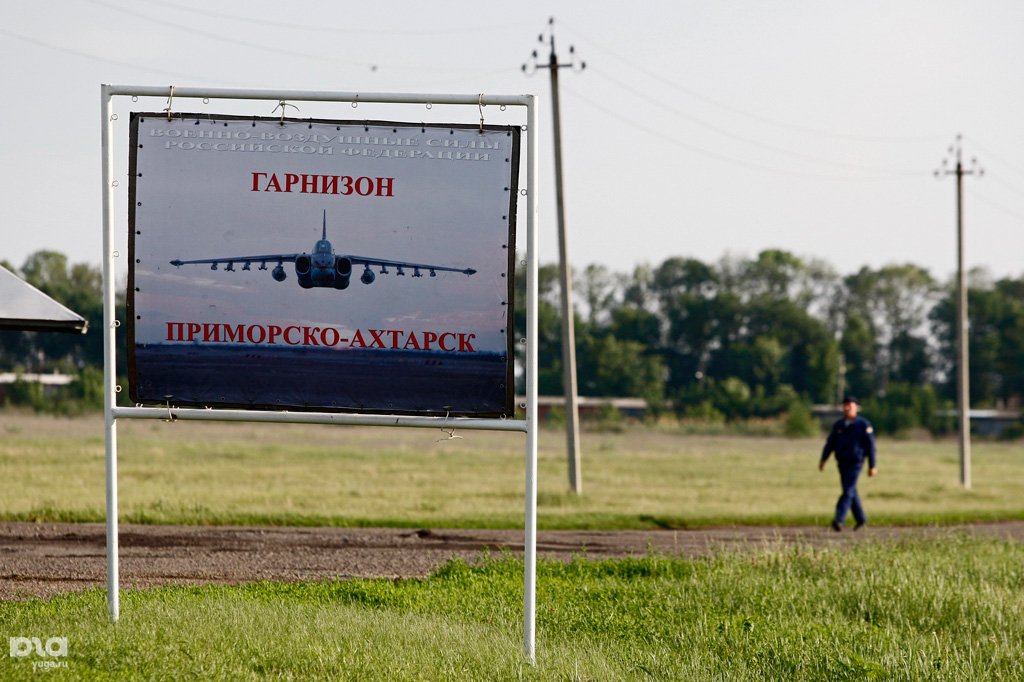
(323,267)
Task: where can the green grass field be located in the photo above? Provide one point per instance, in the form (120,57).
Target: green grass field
(950,608)
(217,473)
(947,608)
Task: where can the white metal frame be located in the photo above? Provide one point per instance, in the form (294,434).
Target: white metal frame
(528,425)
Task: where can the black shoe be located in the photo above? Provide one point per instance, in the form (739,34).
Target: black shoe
(836,527)
(860,524)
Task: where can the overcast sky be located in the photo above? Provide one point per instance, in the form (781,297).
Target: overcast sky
(697,129)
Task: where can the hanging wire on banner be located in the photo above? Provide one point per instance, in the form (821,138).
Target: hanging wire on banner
(282,106)
(480,105)
(170,102)
(450,431)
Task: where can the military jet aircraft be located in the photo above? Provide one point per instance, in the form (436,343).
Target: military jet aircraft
(323,267)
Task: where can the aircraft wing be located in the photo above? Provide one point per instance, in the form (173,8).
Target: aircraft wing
(276,258)
(400,265)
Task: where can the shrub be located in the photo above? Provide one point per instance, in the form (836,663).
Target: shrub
(904,407)
(1014,431)
(798,421)
(704,411)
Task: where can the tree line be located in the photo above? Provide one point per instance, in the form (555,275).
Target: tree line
(735,339)
(757,337)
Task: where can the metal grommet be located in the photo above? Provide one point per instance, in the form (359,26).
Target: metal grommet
(523,127)
(113,117)
(429,105)
(114,183)
(522,341)
(502,107)
(355,104)
(522,262)
(117,323)
(206,100)
(117,388)
(522,192)
(522,405)
(135,98)
(116,254)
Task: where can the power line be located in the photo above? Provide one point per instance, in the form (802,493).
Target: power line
(1005,184)
(742,138)
(78,53)
(264,47)
(999,207)
(989,153)
(757,117)
(715,155)
(346,30)
(191,30)
(1003,162)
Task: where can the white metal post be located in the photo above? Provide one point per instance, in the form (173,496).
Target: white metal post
(109,358)
(530,541)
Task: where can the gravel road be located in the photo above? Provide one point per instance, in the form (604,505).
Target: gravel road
(43,559)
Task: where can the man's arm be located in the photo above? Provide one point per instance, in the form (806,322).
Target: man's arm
(827,450)
(869,436)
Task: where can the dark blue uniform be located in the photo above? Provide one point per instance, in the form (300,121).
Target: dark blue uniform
(851,441)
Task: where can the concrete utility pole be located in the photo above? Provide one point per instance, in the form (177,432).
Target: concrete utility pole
(963,394)
(572,415)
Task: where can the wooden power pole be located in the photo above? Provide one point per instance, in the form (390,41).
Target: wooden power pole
(572,415)
(963,393)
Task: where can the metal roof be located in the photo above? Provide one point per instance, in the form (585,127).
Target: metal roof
(25,308)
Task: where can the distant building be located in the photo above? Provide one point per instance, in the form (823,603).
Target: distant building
(983,422)
(50,382)
(591,407)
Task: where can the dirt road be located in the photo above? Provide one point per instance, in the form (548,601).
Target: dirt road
(46,559)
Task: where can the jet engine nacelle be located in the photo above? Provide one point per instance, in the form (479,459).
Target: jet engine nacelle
(367,277)
(342,272)
(279,274)
(302,271)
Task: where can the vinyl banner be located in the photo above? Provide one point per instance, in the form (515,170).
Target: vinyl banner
(322,265)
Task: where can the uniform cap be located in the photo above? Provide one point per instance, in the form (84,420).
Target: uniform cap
(851,399)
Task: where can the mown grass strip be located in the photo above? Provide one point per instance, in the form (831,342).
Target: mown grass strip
(594,521)
(947,608)
(252,474)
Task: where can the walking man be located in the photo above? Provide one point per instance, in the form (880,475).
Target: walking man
(852,439)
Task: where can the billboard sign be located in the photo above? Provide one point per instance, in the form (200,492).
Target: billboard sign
(322,265)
